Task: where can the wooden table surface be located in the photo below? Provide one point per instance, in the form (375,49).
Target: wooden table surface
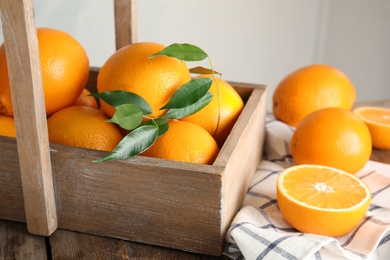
(17,243)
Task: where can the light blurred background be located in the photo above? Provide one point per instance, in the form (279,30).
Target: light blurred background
(252,41)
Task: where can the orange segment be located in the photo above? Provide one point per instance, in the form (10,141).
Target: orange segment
(322,200)
(378,122)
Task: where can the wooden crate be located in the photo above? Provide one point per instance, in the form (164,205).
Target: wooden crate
(174,204)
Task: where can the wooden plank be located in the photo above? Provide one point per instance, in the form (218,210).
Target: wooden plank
(142,251)
(73,245)
(17,243)
(23,61)
(140,199)
(242,153)
(11,194)
(125,22)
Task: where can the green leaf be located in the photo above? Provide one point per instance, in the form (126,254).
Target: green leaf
(184,52)
(119,97)
(202,70)
(127,116)
(136,142)
(177,113)
(161,123)
(189,93)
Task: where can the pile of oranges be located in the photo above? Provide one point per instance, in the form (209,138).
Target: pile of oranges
(318,100)
(77,119)
(65,72)
(331,142)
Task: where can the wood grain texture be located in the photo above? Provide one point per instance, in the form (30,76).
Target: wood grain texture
(11,193)
(140,199)
(143,251)
(125,22)
(21,46)
(17,243)
(72,245)
(241,154)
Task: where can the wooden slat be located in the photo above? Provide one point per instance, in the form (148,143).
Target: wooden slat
(141,199)
(125,22)
(242,153)
(11,193)
(142,251)
(23,61)
(73,245)
(17,243)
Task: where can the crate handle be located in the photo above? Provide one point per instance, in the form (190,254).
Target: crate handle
(23,62)
(125,12)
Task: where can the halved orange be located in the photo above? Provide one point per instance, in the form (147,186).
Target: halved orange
(378,121)
(322,200)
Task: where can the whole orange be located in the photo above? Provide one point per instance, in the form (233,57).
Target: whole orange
(64,67)
(333,137)
(7,126)
(219,116)
(186,142)
(309,89)
(84,127)
(131,69)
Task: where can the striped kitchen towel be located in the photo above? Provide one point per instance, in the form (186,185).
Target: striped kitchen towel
(259,231)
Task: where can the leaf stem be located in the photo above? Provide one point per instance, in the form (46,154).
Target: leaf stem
(218,96)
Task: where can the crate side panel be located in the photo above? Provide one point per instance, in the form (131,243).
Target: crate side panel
(144,202)
(244,160)
(243,150)
(11,193)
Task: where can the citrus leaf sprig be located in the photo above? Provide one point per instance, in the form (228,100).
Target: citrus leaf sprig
(133,113)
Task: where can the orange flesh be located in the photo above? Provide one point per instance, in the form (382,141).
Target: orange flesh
(311,188)
(376,115)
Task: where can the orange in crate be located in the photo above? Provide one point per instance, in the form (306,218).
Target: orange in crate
(155,201)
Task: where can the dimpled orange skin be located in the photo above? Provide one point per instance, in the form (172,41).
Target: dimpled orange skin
(311,88)
(7,126)
(219,117)
(154,79)
(332,137)
(186,142)
(64,67)
(83,126)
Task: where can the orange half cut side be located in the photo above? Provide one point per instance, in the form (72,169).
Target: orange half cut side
(322,200)
(378,121)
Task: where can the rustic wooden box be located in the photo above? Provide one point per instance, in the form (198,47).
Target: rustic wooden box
(173,204)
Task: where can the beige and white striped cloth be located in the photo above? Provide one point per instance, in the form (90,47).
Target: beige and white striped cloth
(259,231)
